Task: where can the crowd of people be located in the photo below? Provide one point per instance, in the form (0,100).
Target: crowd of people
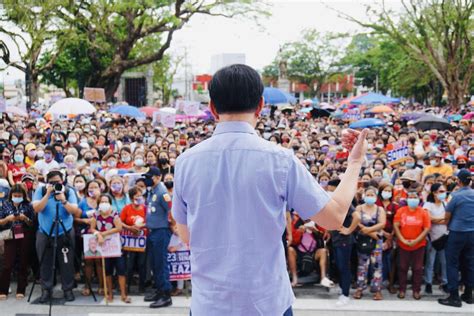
(103,174)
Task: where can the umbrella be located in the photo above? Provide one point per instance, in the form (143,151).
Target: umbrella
(368,122)
(306,110)
(276,96)
(316,112)
(149,110)
(328,107)
(337,114)
(71,106)
(307,102)
(454,117)
(412,116)
(373,98)
(345,102)
(432,122)
(16,111)
(127,110)
(468,116)
(168,110)
(381,109)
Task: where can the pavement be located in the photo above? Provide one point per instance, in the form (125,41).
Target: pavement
(311,300)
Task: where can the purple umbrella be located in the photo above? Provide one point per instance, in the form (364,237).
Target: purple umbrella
(412,116)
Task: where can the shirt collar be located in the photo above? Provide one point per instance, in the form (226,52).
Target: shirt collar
(234,127)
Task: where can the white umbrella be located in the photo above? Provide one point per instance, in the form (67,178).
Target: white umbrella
(168,110)
(71,106)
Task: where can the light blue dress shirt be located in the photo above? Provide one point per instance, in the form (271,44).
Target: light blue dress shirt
(232,191)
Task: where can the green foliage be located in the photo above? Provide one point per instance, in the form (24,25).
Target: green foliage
(164,72)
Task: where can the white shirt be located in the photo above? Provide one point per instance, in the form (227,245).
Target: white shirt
(437,230)
(44,168)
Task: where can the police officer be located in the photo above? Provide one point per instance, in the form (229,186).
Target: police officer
(460,218)
(158,207)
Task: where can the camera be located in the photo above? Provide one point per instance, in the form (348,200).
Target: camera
(58,188)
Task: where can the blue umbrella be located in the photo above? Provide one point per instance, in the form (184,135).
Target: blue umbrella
(276,96)
(337,114)
(454,117)
(368,122)
(127,110)
(373,98)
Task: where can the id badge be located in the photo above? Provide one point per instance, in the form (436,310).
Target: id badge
(18,232)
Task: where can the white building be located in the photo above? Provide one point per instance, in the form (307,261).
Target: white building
(222,60)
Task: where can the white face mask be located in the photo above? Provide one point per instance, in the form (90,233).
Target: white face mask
(104,207)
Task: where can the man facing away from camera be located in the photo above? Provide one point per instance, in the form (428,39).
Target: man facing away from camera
(231,193)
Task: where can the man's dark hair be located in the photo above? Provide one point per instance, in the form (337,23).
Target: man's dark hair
(236,89)
(50,148)
(53,174)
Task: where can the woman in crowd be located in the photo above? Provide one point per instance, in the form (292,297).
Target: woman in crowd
(16,216)
(411,224)
(427,183)
(133,218)
(79,184)
(372,222)
(107,222)
(126,161)
(18,168)
(139,164)
(436,206)
(385,200)
(88,206)
(119,197)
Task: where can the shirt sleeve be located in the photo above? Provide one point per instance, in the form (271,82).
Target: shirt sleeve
(396,218)
(179,207)
(426,219)
(303,193)
(38,195)
(451,205)
(123,215)
(72,198)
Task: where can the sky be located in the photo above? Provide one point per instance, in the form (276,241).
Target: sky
(205,36)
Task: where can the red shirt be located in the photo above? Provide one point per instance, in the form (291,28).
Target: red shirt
(17,172)
(130,215)
(390,212)
(412,224)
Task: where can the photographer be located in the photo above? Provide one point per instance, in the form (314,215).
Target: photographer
(55,197)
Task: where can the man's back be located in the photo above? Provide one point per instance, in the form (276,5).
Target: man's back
(461,207)
(231,190)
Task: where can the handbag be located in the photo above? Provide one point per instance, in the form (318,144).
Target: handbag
(6,234)
(440,243)
(365,244)
(307,262)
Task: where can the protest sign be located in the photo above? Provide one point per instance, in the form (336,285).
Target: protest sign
(111,248)
(3,105)
(352,115)
(168,119)
(94,95)
(179,265)
(397,152)
(133,242)
(191,108)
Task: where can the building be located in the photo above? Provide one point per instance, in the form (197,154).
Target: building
(136,88)
(222,60)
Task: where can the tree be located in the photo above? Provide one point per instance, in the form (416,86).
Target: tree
(164,72)
(270,73)
(437,32)
(310,60)
(117,31)
(31,26)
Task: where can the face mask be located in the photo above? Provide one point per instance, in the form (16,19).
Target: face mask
(427,187)
(325,149)
(91,193)
(48,157)
(40,154)
(112,164)
(139,162)
(378,167)
(116,187)
(413,203)
(370,200)
(126,159)
(32,154)
(139,201)
(80,186)
(104,207)
(434,163)
(409,165)
(72,140)
(332,142)
(380,146)
(426,142)
(461,165)
(471,158)
(386,195)
(169,184)
(70,165)
(442,196)
(324,183)
(406,184)
(17,200)
(18,158)
(95,166)
(398,187)
(377,179)
(163,161)
(14,142)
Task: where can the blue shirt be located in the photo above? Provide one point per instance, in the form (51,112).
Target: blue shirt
(157,207)
(46,217)
(461,208)
(232,192)
(119,204)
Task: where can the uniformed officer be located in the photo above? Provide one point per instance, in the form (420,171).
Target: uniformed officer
(158,202)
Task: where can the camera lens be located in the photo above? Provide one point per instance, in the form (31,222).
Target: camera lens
(58,187)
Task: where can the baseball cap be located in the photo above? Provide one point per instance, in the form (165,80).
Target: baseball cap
(27,176)
(30,146)
(436,154)
(323,143)
(409,175)
(464,175)
(153,171)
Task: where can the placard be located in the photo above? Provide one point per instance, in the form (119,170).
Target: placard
(132,242)
(179,265)
(397,152)
(3,105)
(352,115)
(94,95)
(191,108)
(111,248)
(168,119)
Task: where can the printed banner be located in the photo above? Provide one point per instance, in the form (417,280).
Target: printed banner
(111,248)
(179,265)
(191,108)
(397,152)
(94,95)
(132,242)
(352,115)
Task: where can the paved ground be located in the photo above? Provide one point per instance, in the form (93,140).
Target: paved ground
(310,301)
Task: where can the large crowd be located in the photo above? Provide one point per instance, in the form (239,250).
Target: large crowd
(104,174)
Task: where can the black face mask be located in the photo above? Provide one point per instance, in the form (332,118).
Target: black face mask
(461,165)
(163,161)
(412,140)
(406,184)
(88,159)
(169,184)
(149,182)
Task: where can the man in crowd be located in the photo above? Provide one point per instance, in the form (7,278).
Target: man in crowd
(460,218)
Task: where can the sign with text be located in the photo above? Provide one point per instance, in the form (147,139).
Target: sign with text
(397,152)
(94,95)
(133,242)
(179,265)
(111,248)
(191,108)
(168,119)
(352,115)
